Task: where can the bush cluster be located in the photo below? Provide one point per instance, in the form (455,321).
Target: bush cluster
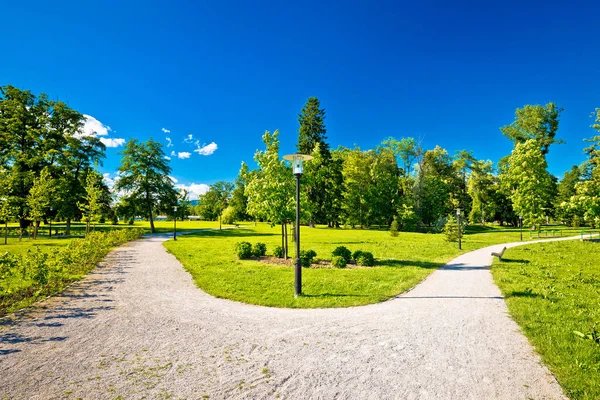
(245,250)
(278,252)
(343,252)
(307,257)
(339,262)
(341,256)
(28,277)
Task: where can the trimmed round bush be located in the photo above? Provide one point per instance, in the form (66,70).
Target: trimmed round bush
(259,249)
(357,254)
(366,259)
(278,251)
(243,250)
(342,251)
(307,257)
(338,262)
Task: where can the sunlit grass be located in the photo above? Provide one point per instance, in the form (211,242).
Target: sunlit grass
(553,290)
(403,262)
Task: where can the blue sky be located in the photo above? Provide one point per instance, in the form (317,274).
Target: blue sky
(224,72)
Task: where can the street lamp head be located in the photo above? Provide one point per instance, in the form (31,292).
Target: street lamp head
(297,162)
(175,208)
(458,212)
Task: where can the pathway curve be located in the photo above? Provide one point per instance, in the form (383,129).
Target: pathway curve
(138,327)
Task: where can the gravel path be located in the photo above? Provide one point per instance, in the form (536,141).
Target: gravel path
(139,328)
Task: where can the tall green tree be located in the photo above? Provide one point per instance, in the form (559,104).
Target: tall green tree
(535,122)
(144,178)
(213,202)
(586,199)
(565,190)
(312,140)
(271,190)
(239,200)
(527,182)
(312,127)
(23,128)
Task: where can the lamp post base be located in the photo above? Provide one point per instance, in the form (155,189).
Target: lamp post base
(298,278)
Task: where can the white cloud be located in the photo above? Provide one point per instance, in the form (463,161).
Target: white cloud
(170,142)
(207,150)
(183,155)
(173,154)
(165,130)
(195,189)
(173,179)
(167,158)
(110,142)
(189,139)
(110,182)
(93,127)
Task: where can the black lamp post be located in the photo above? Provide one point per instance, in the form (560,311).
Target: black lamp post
(297,163)
(459,234)
(521,226)
(174,222)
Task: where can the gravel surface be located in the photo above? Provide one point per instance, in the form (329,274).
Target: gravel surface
(138,327)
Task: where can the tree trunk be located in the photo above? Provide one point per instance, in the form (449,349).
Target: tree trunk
(6,231)
(219,222)
(152,230)
(36,226)
(68,227)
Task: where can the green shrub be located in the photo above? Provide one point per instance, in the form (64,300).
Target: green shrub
(366,259)
(342,251)
(259,249)
(243,250)
(278,252)
(356,254)
(339,262)
(394,228)
(37,274)
(307,257)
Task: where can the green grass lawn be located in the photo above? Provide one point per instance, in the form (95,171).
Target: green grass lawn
(552,291)
(402,262)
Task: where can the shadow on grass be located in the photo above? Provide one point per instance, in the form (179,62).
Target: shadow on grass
(519,261)
(323,295)
(407,263)
(238,232)
(526,293)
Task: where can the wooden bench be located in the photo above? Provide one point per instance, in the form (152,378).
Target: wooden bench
(499,255)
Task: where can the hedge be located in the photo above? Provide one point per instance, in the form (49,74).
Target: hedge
(27,278)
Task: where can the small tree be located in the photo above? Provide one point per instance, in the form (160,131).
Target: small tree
(451,229)
(394,227)
(39,198)
(92,203)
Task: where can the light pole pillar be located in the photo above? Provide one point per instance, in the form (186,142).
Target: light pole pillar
(459,233)
(174,222)
(521,227)
(298,265)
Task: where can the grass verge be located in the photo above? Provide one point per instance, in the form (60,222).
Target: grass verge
(553,292)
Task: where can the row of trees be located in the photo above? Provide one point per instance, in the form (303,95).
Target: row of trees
(401,180)
(49,168)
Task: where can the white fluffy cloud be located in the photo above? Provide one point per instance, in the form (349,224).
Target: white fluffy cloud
(207,150)
(112,142)
(165,130)
(189,139)
(173,154)
(173,179)
(183,155)
(93,127)
(195,189)
(167,158)
(169,142)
